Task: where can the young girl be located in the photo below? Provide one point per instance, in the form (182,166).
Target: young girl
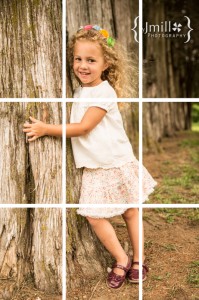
(101,147)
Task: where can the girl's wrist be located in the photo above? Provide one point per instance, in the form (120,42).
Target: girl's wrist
(46,128)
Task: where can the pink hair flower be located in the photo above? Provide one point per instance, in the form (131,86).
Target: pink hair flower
(88,27)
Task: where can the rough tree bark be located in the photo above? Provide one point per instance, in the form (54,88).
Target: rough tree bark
(45,156)
(30,240)
(86,256)
(13,155)
(14,253)
(30,49)
(47,249)
(29,172)
(30,246)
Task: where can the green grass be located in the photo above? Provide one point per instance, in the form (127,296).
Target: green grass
(171,214)
(169,247)
(179,178)
(148,244)
(158,278)
(193,276)
(189,143)
(182,186)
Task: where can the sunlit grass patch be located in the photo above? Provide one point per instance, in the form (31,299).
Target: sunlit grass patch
(195,127)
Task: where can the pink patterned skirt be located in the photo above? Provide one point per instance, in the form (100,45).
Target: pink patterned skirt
(113,186)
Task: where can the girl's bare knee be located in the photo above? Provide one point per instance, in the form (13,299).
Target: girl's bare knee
(92,221)
(130,213)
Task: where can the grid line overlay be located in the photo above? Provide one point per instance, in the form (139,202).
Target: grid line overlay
(140,149)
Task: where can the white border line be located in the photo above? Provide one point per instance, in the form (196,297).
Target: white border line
(63,253)
(46,205)
(64,150)
(140,146)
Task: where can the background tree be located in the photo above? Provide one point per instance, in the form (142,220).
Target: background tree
(115,16)
(30,49)
(163,119)
(170,65)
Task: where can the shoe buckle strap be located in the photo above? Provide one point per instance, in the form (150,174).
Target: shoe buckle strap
(121,267)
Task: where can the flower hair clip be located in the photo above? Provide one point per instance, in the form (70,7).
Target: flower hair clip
(110,41)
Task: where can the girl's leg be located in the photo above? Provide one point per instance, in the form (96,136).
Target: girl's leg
(131,218)
(106,234)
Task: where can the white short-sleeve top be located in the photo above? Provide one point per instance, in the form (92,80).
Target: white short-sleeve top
(102,90)
(107,145)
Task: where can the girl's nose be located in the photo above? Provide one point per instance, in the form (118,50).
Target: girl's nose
(83,64)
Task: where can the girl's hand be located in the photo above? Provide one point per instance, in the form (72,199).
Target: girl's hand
(34,130)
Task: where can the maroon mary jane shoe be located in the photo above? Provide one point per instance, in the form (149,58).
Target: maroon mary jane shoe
(116,281)
(133,274)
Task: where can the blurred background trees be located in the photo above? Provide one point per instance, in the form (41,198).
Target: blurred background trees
(164,119)
(171,67)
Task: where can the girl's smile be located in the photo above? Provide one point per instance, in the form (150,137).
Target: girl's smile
(88,63)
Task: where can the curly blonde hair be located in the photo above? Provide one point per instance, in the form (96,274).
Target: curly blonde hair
(121,72)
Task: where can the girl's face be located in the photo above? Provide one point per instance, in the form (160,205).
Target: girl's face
(88,62)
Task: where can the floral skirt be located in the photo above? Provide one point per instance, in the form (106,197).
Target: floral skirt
(113,186)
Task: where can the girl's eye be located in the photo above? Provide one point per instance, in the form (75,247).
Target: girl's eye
(91,60)
(77,59)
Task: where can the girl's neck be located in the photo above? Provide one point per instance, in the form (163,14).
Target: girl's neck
(92,85)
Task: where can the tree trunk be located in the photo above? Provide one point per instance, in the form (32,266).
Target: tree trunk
(30,245)
(155,55)
(170,64)
(29,172)
(30,49)
(14,252)
(162,119)
(86,256)
(13,163)
(30,240)
(46,156)
(47,249)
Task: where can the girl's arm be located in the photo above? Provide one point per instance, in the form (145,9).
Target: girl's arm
(91,118)
(38,129)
